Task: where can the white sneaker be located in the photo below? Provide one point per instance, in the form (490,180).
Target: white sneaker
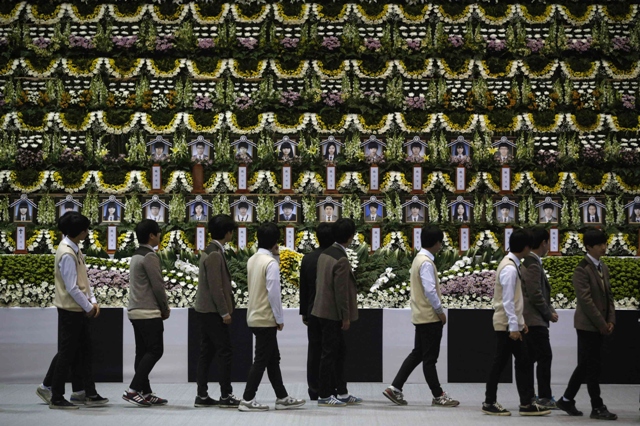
(252,405)
(44,394)
(288,403)
(78,398)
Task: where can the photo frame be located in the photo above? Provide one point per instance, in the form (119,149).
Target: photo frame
(156,209)
(505,211)
(593,211)
(111,210)
(548,211)
(461,210)
(373,149)
(23,210)
(328,210)
(505,150)
(243,210)
(416,150)
(244,150)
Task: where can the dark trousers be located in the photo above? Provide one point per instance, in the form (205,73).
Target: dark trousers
(77,381)
(74,345)
(524,369)
(314,352)
(589,367)
(332,359)
(540,352)
(149,349)
(426,350)
(267,357)
(215,340)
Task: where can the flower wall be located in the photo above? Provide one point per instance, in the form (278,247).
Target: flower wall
(86,86)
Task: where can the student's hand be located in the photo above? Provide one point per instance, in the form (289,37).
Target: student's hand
(346,324)
(97,307)
(611,326)
(515,335)
(165,315)
(604,329)
(443,318)
(525,329)
(226,319)
(305,321)
(554,317)
(92,312)
(280,326)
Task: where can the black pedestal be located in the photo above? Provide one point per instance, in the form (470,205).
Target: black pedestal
(364,347)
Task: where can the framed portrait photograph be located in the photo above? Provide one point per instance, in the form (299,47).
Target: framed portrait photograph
(328,212)
(460,150)
(592,212)
(505,213)
(416,150)
(331,150)
(415,213)
(505,150)
(286,149)
(373,212)
(548,213)
(287,212)
(244,150)
(111,212)
(198,212)
(155,210)
(243,212)
(460,212)
(23,212)
(200,151)
(159,149)
(633,212)
(374,151)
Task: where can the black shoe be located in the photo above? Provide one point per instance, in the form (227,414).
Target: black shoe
(495,409)
(568,407)
(95,400)
(602,414)
(533,409)
(229,402)
(62,404)
(205,402)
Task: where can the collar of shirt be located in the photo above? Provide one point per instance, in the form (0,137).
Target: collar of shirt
(220,245)
(427,253)
(514,258)
(537,257)
(594,260)
(264,251)
(147,246)
(341,247)
(71,244)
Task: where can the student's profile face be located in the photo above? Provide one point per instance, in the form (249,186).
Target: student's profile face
(592,210)
(328,210)
(415,211)
(504,151)
(287,211)
(460,209)
(198,209)
(155,210)
(243,211)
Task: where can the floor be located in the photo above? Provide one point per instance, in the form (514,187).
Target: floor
(20,406)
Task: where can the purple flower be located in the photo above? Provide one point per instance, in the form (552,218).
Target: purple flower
(478,284)
(206,43)
(248,42)
(372,44)
(289,97)
(3,41)
(203,103)
(72,156)
(629,157)
(164,43)
(2,102)
(629,101)
(243,102)
(456,40)
(535,44)
(331,42)
(593,154)
(332,99)
(413,44)
(289,42)
(415,102)
(41,42)
(621,43)
(373,95)
(27,159)
(495,44)
(579,45)
(547,158)
(82,42)
(125,42)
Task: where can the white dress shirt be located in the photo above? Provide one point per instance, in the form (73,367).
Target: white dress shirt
(595,261)
(69,274)
(273,288)
(428,279)
(508,278)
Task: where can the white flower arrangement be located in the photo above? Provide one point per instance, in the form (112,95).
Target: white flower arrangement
(561,302)
(239,17)
(487,238)
(264,119)
(442,69)
(15,14)
(399,12)
(16,117)
(395,181)
(617,242)
(194,73)
(528,122)
(551,12)
(324,76)
(581,76)
(177,239)
(165,130)
(61,10)
(118,130)
(222,181)
(356,64)
(528,73)
(154,15)
(95,69)
(306,11)
(35,187)
(627,303)
(81,20)
(155,72)
(631,75)
(307,241)
(267,180)
(233,65)
(126,240)
(290,129)
(316,11)
(468,301)
(308,184)
(110,66)
(383,279)
(178,179)
(137,17)
(320,129)
(484,70)
(352,256)
(396,241)
(273,63)
(537,189)
(464,17)
(5,242)
(351,181)
(208,21)
(482,120)
(32,72)
(572,241)
(472,124)
(359,123)
(42,236)
(566,15)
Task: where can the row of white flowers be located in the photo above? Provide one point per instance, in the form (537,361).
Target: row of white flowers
(390,11)
(432,67)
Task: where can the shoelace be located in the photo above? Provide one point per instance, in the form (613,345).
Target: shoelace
(498,406)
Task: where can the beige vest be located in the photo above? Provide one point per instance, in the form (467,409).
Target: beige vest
(500,320)
(259,312)
(62,298)
(421,310)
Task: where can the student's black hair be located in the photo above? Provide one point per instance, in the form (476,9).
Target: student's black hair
(243,145)
(343,229)
(285,145)
(519,240)
(415,206)
(373,206)
(199,144)
(328,205)
(158,145)
(324,234)
(372,145)
(430,236)
(23,205)
(460,145)
(505,206)
(503,144)
(594,237)
(69,205)
(243,205)
(287,206)
(416,145)
(111,205)
(220,224)
(196,204)
(154,204)
(268,235)
(73,223)
(538,236)
(145,228)
(547,206)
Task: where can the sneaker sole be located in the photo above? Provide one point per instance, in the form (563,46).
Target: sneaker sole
(228,406)
(496,414)
(536,413)
(90,403)
(248,410)
(137,404)
(445,405)
(48,402)
(63,407)
(77,402)
(289,407)
(205,405)
(395,401)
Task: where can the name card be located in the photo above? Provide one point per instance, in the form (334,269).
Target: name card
(21,239)
(375,238)
(417,178)
(373,178)
(507,235)
(417,231)
(331,178)
(112,238)
(461,179)
(290,237)
(242,178)
(242,237)
(286,178)
(201,238)
(554,240)
(464,239)
(505,179)
(156,178)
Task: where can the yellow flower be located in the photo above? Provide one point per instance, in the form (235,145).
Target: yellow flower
(125,15)
(382,14)
(42,16)
(249,129)
(30,188)
(373,127)
(331,73)
(290,266)
(457,17)
(164,128)
(531,19)
(172,17)
(209,19)
(193,125)
(454,126)
(416,18)
(338,17)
